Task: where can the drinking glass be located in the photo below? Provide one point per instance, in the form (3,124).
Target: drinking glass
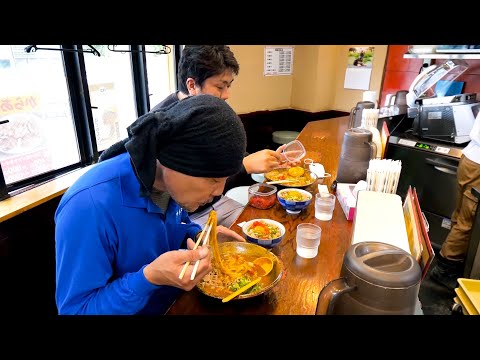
(324,205)
(308,240)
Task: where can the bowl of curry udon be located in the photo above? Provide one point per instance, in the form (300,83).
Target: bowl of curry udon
(300,178)
(237,258)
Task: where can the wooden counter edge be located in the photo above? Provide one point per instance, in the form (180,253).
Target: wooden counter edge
(38,195)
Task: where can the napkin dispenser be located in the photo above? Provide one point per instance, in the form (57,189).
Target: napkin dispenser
(347,200)
(379,218)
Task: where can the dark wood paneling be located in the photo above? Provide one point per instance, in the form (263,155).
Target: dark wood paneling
(260,125)
(27,262)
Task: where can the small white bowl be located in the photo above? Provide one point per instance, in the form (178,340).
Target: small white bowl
(265,243)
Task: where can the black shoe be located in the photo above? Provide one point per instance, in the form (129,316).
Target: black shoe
(446,272)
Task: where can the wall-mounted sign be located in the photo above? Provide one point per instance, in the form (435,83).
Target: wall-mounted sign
(278,60)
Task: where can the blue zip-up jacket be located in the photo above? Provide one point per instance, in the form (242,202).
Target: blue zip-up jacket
(105,235)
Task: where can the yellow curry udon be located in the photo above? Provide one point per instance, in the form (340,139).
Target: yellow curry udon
(231,271)
(242,271)
(302,178)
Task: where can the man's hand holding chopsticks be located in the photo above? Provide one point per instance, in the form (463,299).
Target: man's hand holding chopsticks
(164,270)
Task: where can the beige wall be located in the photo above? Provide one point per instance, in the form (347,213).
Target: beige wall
(345,99)
(316,83)
(313,77)
(251,90)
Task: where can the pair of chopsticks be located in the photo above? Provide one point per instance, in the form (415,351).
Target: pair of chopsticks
(279,182)
(205,242)
(203,238)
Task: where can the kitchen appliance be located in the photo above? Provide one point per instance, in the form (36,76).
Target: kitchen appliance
(450,122)
(431,168)
(357,151)
(375,279)
(446,118)
(356,113)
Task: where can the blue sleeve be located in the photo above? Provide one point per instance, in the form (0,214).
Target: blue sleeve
(84,258)
(193,228)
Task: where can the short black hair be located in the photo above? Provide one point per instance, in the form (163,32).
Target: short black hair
(200,62)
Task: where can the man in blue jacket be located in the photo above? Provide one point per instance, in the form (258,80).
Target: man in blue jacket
(121,228)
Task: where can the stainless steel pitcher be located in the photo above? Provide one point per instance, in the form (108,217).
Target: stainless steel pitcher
(357,151)
(356,113)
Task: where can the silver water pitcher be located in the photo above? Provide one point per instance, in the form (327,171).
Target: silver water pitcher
(357,151)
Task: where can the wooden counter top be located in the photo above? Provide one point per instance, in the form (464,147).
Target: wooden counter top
(297,292)
(24,201)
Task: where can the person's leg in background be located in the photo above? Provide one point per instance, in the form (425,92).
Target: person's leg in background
(450,262)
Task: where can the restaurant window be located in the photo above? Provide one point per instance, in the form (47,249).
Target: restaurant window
(61,106)
(112,96)
(160,72)
(37,131)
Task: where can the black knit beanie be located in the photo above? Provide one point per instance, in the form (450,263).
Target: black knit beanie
(199,136)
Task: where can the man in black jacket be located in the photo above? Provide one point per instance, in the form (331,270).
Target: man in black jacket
(211,69)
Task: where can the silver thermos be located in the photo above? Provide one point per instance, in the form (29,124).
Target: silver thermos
(375,279)
(357,151)
(356,113)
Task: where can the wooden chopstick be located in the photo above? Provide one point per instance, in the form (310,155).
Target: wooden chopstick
(279,182)
(205,242)
(209,220)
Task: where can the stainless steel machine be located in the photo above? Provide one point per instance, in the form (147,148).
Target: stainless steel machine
(431,149)
(444,118)
(450,122)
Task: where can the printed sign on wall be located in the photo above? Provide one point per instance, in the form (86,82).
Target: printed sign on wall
(278,60)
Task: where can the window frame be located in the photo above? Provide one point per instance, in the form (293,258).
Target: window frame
(77,84)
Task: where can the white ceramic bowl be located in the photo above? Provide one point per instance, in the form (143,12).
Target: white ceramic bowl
(265,243)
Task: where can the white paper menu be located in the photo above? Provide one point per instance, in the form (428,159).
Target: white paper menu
(278,60)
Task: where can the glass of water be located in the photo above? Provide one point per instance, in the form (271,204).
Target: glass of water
(324,205)
(308,240)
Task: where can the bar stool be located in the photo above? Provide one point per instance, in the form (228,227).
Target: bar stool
(284,136)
